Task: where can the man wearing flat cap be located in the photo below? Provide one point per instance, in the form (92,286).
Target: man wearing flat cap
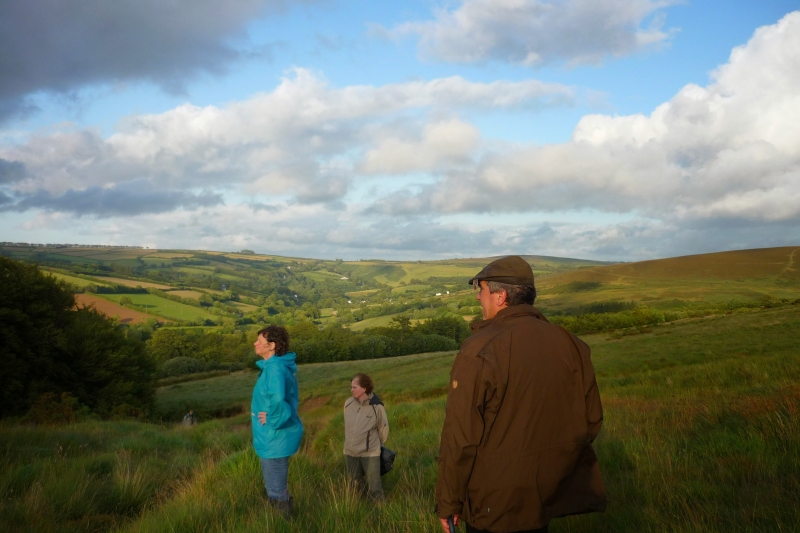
(522,411)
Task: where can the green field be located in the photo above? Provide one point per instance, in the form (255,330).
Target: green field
(187,293)
(361,294)
(78,282)
(376,322)
(163,307)
(701,434)
(241,306)
(322,275)
(201,271)
(409,288)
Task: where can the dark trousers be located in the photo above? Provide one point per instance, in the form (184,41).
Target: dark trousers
(360,469)
(471,529)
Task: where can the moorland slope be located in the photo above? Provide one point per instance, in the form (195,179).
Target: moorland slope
(679,282)
(701,434)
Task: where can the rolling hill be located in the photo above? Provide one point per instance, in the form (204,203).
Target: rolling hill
(251,288)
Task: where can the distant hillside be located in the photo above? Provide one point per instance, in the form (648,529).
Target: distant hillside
(678,281)
(781,263)
(208,288)
(235,290)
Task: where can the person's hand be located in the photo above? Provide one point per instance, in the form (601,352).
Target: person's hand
(446,527)
(262,417)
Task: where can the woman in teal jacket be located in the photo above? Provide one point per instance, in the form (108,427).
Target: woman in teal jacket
(277,428)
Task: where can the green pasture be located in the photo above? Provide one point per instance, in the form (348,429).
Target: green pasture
(133,262)
(78,282)
(91,254)
(37,255)
(380,271)
(247,308)
(229,277)
(701,434)
(361,294)
(186,293)
(165,254)
(423,271)
(162,307)
(109,255)
(321,275)
(156,261)
(133,283)
(410,288)
(195,270)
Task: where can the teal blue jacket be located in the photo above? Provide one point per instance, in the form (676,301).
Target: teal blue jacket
(276,393)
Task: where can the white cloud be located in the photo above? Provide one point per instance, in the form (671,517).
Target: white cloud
(731,149)
(447,141)
(300,140)
(534,32)
(715,167)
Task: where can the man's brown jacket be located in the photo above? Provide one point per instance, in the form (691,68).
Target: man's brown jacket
(522,411)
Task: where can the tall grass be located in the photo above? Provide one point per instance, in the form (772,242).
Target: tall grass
(701,434)
(95,476)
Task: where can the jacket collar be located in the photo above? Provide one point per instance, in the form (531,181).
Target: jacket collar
(509,312)
(368,399)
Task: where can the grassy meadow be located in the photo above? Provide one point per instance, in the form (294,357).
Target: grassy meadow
(78,282)
(701,434)
(163,307)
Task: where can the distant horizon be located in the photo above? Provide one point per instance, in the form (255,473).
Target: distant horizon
(406,260)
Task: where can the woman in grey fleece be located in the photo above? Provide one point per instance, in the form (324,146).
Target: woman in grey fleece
(366,428)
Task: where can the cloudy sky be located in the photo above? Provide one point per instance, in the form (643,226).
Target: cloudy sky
(599,129)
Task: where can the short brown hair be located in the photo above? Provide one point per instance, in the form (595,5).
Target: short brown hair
(515,294)
(279,336)
(365,382)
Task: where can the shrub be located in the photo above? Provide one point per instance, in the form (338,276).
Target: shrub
(179,366)
(51,408)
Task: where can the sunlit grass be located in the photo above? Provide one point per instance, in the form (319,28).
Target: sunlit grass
(701,434)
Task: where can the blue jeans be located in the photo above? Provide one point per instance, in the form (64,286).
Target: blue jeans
(276,473)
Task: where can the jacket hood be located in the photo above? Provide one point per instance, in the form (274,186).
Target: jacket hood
(375,400)
(509,312)
(289,360)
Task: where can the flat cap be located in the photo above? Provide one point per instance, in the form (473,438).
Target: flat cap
(512,270)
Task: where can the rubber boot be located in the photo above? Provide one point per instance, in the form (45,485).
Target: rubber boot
(284,507)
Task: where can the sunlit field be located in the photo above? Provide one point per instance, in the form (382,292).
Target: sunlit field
(700,434)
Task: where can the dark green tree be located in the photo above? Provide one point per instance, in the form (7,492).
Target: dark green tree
(168,343)
(49,346)
(450,326)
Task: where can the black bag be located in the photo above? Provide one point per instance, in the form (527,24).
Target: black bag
(387,459)
(387,455)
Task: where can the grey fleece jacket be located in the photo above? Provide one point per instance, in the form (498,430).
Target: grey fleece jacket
(366,427)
